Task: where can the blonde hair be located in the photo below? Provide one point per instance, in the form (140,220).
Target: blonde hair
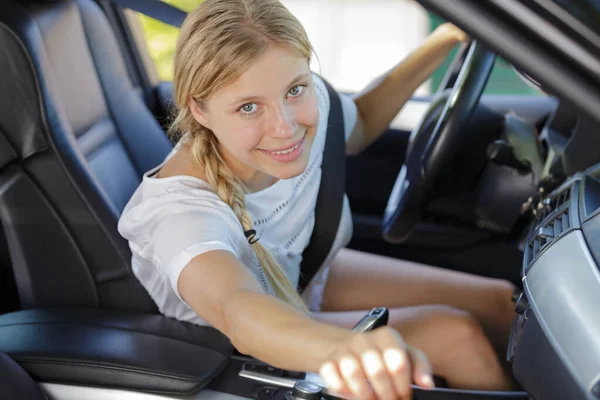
(217,42)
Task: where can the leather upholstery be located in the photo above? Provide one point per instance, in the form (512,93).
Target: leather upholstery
(113,349)
(75,138)
(15,383)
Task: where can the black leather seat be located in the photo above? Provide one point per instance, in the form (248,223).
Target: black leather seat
(15,383)
(75,138)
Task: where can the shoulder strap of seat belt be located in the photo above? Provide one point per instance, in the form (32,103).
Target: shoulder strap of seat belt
(156,9)
(330,199)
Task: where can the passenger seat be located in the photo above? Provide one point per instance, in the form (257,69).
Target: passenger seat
(75,139)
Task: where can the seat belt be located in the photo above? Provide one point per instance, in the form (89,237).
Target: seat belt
(330,199)
(156,9)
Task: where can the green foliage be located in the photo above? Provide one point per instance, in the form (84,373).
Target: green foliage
(503,80)
(185,5)
(161,38)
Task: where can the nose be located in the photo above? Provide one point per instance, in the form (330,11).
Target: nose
(283,124)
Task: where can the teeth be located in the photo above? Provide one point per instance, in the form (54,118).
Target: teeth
(285,151)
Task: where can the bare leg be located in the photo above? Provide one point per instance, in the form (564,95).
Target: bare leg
(452,340)
(361,281)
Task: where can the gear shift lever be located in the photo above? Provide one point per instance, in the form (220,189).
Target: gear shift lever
(375,318)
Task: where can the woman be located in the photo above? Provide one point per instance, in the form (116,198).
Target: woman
(217,230)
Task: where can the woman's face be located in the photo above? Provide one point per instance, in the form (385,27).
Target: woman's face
(265,121)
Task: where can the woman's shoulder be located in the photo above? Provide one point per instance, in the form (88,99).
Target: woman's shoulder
(193,214)
(159,199)
(173,192)
(178,176)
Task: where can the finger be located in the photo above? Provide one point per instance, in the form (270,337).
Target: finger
(377,374)
(422,369)
(398,367)
(332,378)
(354,378)
(396,360)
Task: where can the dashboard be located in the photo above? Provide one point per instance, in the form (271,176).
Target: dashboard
(555,339)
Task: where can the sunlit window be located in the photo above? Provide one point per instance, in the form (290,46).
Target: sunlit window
(355,41)
(161,38)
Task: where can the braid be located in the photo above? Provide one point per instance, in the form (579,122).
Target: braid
(205,149)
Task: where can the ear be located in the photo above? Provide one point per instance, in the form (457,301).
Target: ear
(198,114)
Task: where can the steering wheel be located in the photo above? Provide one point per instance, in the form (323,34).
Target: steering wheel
(435,141)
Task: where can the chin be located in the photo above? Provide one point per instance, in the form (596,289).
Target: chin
(292,171)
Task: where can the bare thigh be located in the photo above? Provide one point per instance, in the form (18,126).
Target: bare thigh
(361,281)
(452,340)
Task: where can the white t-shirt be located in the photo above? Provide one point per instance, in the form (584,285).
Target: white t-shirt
(169,221)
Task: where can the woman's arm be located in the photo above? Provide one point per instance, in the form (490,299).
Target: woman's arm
(222,291)
(381,101)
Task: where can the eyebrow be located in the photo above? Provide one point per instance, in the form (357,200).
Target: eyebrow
(248,99)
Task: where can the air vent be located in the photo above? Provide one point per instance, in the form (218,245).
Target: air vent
(550,230)
(561,199)
(551,204)
(551,222)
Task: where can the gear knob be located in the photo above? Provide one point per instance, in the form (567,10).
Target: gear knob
(304,390)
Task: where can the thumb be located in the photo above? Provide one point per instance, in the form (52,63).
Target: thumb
(422,370)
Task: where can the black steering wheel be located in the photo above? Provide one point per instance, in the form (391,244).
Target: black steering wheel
(435,141)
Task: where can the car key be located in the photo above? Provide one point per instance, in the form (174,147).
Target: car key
(375,318)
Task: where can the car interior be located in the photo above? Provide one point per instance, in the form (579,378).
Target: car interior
(495,185)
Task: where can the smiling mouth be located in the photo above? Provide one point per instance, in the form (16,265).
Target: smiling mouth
(286,155)
(288,151)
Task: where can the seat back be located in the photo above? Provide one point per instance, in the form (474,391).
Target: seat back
(75,139)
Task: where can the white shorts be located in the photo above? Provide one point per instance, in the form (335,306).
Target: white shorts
(313,294)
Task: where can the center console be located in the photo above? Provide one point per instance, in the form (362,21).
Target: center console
(276,384)
(94,354)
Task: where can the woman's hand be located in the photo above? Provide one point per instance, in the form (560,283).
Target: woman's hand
(448,29)
(383,359)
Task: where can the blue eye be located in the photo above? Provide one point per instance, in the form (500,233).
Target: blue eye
(296,90)
(248,108)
